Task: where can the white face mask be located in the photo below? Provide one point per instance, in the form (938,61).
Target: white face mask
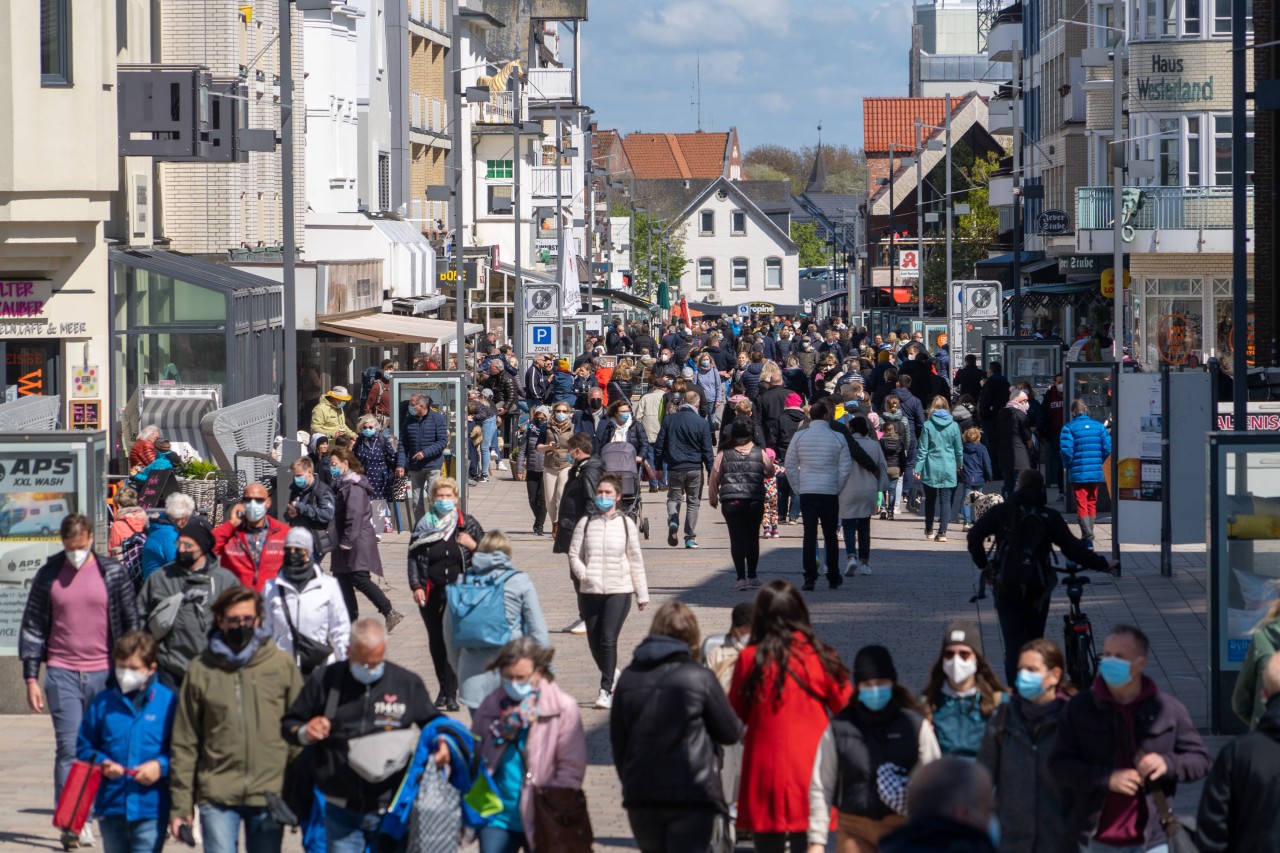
(130,680)
(78,557)
(959,670)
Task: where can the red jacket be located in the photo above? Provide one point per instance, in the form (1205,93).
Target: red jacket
(234,555)
(773,795)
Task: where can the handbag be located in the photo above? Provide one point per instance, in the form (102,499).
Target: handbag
(399,488)
(435,821)
(561,821)
(77,797)
(376,757)
(309,653)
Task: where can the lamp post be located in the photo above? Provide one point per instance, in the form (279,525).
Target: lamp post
(289,333)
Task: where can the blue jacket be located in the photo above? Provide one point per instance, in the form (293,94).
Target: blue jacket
(428,435)
(462,750)
(562,389)
(114,729)
(684,441)
(161,547)
(959,725)
(1085,445)
(977,465)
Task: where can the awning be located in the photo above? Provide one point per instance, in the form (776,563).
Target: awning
(901,293)
(1037,266)
(830,295)
(397,328)
(1006,260)
(1063,288)
(418,305)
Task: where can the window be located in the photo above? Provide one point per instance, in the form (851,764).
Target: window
(501,170)
(1222,150)
(1191,20)
(500,200)
(1168,19)
(1193,151)
(773,273)
(738,222)
(55,43)
(707,222)
(1169,147)
(706,274)
(739,278)
(1222,18)
(384,181)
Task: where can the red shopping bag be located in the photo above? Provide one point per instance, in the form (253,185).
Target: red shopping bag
(77,796)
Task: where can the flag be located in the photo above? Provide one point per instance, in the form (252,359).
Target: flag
(682,310)
(570,290)
(664,296)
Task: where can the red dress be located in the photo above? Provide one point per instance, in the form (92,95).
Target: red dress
(782,738)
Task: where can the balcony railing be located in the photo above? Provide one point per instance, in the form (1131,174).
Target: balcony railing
(550,84)
(500,109)
(542,180)
(432,13)
(1161,208)
(427,113)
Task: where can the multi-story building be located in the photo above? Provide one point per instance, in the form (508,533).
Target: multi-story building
(948,51)
(330,36)
(1266,22)
(423,116)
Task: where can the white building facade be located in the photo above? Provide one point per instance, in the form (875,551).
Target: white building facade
(330,38)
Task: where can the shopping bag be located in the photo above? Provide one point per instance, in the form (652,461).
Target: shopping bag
(77,796)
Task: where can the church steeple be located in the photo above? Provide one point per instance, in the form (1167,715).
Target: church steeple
(817,175)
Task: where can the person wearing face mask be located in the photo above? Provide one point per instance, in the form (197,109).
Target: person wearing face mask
(963,692)
(648,412)
(1122,743)
(1032,803)
(227,753)
(553,443)
(311,505)
(669,726)
(711,381)
(529,734)
(378,401)
(952,810)
(593,415)
(521,610)
(174,604)
(329,415)
(620,426)
(80,603)
(424,436)
(877,740)
(305,608)
(530,466)
(252,548)
(378,456)
(125,732)
(356,556)
(364,696)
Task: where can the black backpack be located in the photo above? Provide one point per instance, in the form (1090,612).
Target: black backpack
(369,376)
(1023,552)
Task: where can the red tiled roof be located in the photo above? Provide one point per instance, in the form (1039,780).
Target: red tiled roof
(892,120)
(676,155)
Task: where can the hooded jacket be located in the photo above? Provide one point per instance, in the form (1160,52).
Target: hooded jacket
(859,493)
(328,418)
(161,545)
(357,548)
(818,461)
(905,432)
(190,632)
(315,506)
(1015,438)
(912,408)
(1247,700)
(317,612)
(669,721)
(1241,799)
(941,455)
(117,729)
(226,746)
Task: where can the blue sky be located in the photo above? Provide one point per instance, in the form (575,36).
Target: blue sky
(773,68)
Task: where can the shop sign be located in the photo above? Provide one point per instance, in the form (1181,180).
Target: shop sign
(758,307)
(24,298)
(1107,283)
(42,329)
(1177,89)
(1054,222)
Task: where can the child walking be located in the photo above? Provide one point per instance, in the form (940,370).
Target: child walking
(977,471)
(769,527)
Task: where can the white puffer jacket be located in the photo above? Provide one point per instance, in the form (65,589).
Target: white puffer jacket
(605,557)
(318,613)
(818,461)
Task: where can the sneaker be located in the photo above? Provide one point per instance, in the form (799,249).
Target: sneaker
(503,466)
(741,585)
(86,836)
(851,567)
(941,538)
(884,513)
(864,568)
(377,537)
(653,490)
(691,543)
(753,583)
(809,586)
(573,626)
(70,840)
(928,536)
(891,515)
(604,701)
(393,619)
(579,629)
(673,527)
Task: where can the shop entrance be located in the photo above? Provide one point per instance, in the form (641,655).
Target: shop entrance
(30,367)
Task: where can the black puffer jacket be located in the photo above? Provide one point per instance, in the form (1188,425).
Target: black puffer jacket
(441,562)
(576,499)
(866,740)
(1241,800)
(122,610)
(669,720)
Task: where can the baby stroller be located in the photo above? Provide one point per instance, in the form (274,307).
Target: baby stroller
(619,458)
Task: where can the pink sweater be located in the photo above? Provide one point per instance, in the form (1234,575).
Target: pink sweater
(78,629)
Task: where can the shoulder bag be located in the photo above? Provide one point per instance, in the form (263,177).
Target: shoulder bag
(376,757)
(561,821)
(309,653)
(1179,831)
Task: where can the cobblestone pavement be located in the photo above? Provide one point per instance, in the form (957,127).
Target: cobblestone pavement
(915,589)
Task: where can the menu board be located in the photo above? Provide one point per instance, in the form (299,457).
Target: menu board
(86,414)
(158,486)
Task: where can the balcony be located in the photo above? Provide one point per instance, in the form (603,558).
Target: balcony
(1000,41)
(499,110)
(1201,214)
(550,84)
(542,180)
(1000,116)
(427,113)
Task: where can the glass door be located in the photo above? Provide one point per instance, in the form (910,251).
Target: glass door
(447,394)
(30,367)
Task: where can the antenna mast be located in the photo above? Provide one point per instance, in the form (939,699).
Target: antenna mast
(698,89)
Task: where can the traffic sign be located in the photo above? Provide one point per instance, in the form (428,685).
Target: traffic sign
(744,310)
(541,302)
(540,338)
(982,302)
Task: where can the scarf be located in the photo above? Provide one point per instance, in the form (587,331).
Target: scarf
(514,718)
(218,645)
(299,576)
(432,528)
(1018,401)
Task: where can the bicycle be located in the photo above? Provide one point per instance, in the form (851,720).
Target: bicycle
(1077,631)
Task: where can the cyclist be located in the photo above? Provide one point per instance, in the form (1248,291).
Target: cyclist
(1025,531)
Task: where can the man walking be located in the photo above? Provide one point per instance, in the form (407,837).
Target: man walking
(423,439)
(1084,444)
(1122,747)
(994,396)
(648,413)
(79,605)
(1025,531)
(818,464)
(311,505)
(684,447)
(252,548)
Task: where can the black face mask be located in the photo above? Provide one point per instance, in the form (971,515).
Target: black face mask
(595,405)
(296,558)
(186,559)
(239,636)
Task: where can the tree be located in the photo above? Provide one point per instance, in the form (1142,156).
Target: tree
(846,169)
(655,254)
(974,232)
(813,250)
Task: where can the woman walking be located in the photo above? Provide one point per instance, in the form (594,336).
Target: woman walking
(786,685)
(356,556)
(553,443)
(962,693)
(530,462)
(670,720)
(868,479)
(378,457)
(1032,806)
(1015,439)
(530,737)
(938,466)
(521,610)
(620,426)
(440,550)
(738,483)
(605,558)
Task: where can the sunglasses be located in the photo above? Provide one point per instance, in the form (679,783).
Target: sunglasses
(249,500)
(240,621)
(962,654)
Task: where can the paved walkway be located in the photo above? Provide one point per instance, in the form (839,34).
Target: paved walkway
(915,589)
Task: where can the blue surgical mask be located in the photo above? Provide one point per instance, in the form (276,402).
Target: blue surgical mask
(1115,672)
(1030,684)
(875,698)
(561,417)
(386,374)
(368,433)
(335,471)
(604,503)
(342,404)
(300,482)
(624,417)
(255,510)
(367,676)
(443,507)
(517,690)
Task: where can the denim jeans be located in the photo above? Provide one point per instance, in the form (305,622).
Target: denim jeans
(120,835)
(68,693)
(221,826)
(820,511)
(937,501)
(348,831)
(488,441)
(857,532)
(684,486)
(499,839)
(788,501)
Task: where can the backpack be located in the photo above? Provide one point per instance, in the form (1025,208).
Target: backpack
(131,558)
(368,376)
(1023,568)
(478,611)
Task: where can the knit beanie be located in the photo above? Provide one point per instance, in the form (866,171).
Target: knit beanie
(299,537)
(197,530)
(873,663)
(963,632)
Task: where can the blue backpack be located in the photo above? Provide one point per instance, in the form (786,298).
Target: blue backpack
(478,610)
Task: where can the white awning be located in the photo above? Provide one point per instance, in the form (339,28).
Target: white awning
(397,328)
